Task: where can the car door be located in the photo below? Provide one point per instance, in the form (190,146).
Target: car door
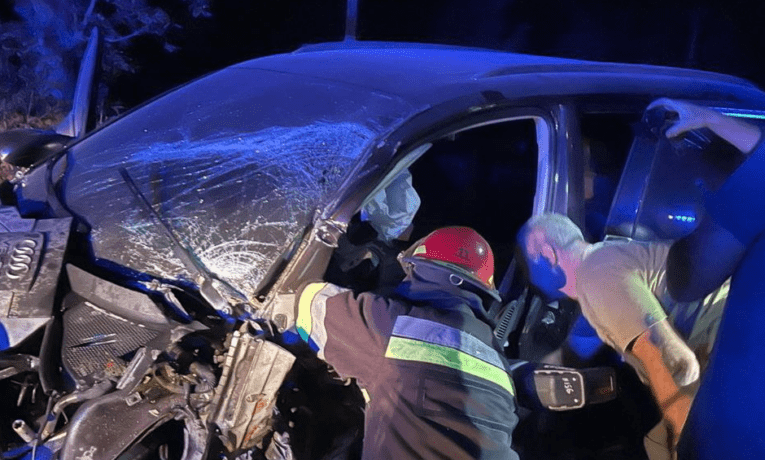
(660,193)
(661,197)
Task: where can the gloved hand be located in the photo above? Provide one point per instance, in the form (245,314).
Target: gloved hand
(687,117)
(742,135)
(677,357)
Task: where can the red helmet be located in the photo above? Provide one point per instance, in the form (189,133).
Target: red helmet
(460,250)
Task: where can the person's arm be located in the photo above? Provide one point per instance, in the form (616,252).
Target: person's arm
(616,299)
(349,331)
(649,352)
(678,363)
(700,262)
(740,134)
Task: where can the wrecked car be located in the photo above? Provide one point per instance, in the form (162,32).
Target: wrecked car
(141,261)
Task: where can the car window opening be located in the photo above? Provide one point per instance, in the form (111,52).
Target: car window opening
(483,177)
(606,141)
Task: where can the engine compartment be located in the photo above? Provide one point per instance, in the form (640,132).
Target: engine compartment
(142,370)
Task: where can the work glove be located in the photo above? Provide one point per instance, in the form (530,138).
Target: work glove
(678,358)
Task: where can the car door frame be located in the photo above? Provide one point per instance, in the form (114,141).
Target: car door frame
(555,178)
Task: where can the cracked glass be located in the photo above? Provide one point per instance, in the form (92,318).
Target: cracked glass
(236,164)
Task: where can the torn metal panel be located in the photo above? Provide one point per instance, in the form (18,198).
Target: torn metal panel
(245,397)
(105,427)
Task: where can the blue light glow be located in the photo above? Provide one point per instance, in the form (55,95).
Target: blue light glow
(583,340)
(681,218)
(758,115)
(4,342)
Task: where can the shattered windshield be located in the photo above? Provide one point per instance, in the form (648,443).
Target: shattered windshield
(236,164)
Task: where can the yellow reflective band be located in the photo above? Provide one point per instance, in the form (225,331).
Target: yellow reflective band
(304,319)
(424,352)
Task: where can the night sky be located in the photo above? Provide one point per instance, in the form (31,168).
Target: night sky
(722,36)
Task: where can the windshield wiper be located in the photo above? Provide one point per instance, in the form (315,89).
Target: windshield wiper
(211,288)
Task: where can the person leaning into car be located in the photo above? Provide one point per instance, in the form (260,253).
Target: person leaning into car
(727,419)
(621,288)
(438,386)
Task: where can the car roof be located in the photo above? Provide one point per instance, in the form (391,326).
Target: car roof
(430,74)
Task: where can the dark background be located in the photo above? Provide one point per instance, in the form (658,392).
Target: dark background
(722,36)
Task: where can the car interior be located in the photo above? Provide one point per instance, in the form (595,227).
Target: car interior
(485,177)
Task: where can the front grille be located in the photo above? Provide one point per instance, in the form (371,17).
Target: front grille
(98,343)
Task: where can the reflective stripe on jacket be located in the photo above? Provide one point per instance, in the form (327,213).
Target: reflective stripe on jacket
(312,306)
(438,387)
(427,341)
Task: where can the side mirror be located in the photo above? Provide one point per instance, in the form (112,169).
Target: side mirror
(30,147)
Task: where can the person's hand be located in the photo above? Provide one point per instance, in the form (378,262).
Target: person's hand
(689,116)
(678,358)
(682,363)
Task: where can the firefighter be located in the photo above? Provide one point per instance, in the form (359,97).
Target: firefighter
(438,384)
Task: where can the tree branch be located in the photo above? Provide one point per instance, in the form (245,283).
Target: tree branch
(125,37)
(88,12)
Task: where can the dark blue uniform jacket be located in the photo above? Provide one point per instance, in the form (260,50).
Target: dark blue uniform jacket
(438,387)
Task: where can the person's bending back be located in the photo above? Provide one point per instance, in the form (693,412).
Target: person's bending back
(619,286)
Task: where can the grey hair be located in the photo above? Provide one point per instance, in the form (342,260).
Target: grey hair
(559,229)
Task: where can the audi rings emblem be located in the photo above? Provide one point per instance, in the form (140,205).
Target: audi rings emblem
(20,260)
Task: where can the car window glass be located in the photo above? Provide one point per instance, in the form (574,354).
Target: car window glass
(660,194)
(236,163)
